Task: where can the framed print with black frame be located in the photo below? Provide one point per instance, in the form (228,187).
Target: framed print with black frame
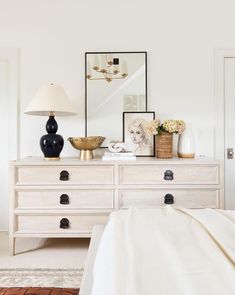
(135,136)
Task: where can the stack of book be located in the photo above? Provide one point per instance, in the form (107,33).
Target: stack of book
(109,156)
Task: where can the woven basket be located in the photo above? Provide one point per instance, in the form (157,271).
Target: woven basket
(164,145)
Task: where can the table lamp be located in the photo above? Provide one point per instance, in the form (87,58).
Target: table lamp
(51,100)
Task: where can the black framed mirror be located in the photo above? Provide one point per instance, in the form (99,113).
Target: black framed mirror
(115,82)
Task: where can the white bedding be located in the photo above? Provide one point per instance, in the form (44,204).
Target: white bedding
(167,251)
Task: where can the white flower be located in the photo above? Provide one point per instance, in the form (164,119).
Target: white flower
(152,127)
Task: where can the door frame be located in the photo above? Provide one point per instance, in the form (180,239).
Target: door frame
(11,56)
(219,93)
(220,54)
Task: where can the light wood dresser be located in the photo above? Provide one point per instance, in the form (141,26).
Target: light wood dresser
(66,198)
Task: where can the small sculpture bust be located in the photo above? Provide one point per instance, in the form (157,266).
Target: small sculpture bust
(117,147)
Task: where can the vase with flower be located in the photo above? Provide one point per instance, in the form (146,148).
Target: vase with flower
(164,135)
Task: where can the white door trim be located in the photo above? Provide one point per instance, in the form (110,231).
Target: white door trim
(219,93)
(11,56)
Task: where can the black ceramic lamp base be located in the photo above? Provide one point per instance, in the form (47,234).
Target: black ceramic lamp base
(51,144)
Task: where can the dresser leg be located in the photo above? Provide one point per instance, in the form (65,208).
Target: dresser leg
(12,246)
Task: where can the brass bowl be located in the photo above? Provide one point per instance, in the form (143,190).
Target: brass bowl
(86,145)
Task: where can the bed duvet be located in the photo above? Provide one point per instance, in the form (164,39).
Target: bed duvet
(166,251)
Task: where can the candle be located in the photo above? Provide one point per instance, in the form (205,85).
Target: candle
(110,59)
(88,70)
(115,69)
(103,62)
(124,70)
(96,61)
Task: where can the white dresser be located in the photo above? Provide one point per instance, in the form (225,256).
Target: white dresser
(66,198)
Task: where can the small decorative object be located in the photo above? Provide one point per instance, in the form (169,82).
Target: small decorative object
(51,100)
(164,135)
(86,145)
(135,135)
(117,147)
(186,143)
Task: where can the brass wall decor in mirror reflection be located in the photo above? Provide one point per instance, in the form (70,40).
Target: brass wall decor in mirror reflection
(106,67)
(115,82)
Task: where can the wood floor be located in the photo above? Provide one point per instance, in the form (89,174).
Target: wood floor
(38,291)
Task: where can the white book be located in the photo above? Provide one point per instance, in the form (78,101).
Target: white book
(106,158)
(121,154)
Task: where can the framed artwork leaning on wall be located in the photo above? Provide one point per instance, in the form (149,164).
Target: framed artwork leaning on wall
(135,135)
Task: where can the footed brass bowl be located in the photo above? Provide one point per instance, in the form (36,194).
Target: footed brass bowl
(86,145)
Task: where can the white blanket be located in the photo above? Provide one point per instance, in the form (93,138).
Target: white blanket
(167,251)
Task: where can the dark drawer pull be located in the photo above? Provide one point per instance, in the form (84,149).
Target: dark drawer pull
(64,199)
(168,199)
(64,223)
(64,175)
(168,175)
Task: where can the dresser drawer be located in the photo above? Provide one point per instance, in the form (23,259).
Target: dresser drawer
(65,199)
(150,198)
(169,174)
(41,175)
(52,224)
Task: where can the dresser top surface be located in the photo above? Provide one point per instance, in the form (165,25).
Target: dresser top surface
(98,161)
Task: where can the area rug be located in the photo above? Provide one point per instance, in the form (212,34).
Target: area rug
(38,291)
(58,278)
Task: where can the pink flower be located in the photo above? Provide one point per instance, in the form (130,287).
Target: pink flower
(172,126)
(152,127)
(181,126)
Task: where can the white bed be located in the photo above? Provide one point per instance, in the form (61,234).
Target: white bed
(163,251)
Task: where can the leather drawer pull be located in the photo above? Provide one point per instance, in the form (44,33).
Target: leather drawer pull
(168,199)
(64,175)
(64,199)
(168,175)
(64,223)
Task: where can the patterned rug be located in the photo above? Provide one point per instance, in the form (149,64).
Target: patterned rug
(38,291)
(58,278)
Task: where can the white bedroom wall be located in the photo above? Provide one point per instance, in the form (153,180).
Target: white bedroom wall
(179,36)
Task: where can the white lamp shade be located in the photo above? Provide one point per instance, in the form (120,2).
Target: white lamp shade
(50,98)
